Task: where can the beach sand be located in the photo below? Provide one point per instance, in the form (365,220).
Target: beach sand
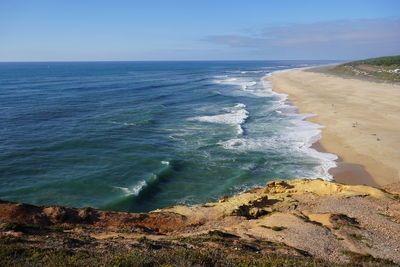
(361,119)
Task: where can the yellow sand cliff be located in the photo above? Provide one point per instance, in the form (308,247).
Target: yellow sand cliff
(300,219)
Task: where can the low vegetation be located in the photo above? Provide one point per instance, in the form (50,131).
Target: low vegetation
(156,253)
(382,68)
(365,258)
(227,251)
(274,228)
(379,61)
(258,228)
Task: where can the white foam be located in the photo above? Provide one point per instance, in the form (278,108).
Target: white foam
(306,133)
(240,105)
(300,142)
(246,71)
(186,201)
(235,115)
(215,93)
(134,190)
(123,123)
(164,162)
(295,135)
(298,136)
(242,82)
(248,85)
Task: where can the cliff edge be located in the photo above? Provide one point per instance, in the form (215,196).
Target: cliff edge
(298,222)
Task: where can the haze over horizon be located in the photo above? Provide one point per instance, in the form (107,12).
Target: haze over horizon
(47,30)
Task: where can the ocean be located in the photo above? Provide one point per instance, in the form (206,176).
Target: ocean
(137,136)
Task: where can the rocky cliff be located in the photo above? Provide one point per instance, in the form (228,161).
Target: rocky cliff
(293,222)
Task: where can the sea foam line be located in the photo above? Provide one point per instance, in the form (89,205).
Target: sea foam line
(299,136)
(235,115)
(311,131)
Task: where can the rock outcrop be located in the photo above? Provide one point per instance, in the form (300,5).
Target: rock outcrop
(307,218)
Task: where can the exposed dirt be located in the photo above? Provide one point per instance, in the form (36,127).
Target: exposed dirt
(296,218)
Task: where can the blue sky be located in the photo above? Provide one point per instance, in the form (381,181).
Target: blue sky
(70,30)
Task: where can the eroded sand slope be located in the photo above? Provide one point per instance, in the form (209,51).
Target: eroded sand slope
(307,218)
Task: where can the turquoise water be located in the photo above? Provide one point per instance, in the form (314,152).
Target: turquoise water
(137,136)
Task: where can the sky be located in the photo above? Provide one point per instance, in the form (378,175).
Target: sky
(119,30)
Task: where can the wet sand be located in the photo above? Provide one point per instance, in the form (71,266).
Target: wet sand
(361,119)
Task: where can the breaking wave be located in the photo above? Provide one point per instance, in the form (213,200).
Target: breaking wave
(235,115)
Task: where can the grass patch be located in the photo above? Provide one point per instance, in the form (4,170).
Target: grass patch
(278,228)
(351,226)
(379,61)
(364,258)
(12,226)
(269,213)
(389,217)
(274,228)
(307,220)
(25,228)
(302,217)
(222,234)
(206,206)
(357,236)
(340,220)
(58,228)
(385,215)
(6,240)
(383,68)
(29,256)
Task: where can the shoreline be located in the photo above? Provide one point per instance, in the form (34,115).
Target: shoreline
(362,137)
(343,170)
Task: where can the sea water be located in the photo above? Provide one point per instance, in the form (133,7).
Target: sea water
(137,136)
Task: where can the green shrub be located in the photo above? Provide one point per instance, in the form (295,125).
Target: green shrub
(278,228)
(379,61)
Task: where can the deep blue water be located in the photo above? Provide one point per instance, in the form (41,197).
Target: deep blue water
(138,136)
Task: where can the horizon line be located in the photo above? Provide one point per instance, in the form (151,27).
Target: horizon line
(183,60)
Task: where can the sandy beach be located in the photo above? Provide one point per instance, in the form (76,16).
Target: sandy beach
(361,119)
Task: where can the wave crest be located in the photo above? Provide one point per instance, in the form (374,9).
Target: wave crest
(235,115)
(144,189)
